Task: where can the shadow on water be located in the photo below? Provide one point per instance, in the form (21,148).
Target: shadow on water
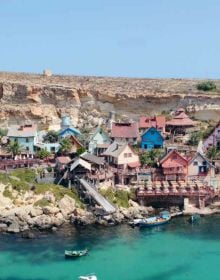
(208,228)
(166,275)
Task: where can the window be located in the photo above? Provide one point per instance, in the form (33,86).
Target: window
(174,157)
(195,163)
(152,132)
(27,148)
(52,149)
(125,155)
(129,154)
(27,140)
(204,163)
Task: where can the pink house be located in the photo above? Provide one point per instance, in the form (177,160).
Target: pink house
(213,139)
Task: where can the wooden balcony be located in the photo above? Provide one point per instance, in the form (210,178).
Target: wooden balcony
(11,163)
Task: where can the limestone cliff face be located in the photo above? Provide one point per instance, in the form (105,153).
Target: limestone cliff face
(88,99)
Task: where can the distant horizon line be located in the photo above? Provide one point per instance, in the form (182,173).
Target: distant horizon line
(106,76)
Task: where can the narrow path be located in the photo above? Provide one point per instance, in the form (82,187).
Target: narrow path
(107,206)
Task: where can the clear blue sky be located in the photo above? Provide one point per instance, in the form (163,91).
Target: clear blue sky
(135,38)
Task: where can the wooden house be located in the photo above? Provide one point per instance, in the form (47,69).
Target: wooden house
(213,140)
(125,132)
(124,160)
(25,135)
(151,139)
(174,166)
(180,124)
(158,122)
(76,145)
(200,167)
(99,141)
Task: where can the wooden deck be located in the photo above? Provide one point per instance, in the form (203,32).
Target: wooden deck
(11,164)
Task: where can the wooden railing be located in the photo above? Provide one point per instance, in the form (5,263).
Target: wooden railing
(4,164)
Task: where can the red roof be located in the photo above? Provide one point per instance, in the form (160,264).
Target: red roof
(124,130)
(63,160)
(164,162)
(181,120)
(134,164)
(147,122)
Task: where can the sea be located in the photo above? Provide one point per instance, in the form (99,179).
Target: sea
(176,251)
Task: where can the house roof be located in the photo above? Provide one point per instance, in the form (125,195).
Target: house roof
(124,130)
(181,120)
(156,121)
(213,129)
(134,164)
(202,156)
(158,132)
(99,130)
(63,160)
(72,129)
(168,155)
(75,140)
(115,149)
(92,158)
(81,162)
(22,130)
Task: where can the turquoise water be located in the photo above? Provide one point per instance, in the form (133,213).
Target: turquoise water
(177,251)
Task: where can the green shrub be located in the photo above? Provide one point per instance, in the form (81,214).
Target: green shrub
(7,193)
(42,202)
(206,86)
(118,197)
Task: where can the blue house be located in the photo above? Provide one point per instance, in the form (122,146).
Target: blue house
(25,135)
(67,129)
(151,139)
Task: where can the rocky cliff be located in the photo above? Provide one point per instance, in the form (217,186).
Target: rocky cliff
(88,100)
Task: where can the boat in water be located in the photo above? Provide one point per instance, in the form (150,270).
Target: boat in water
(88,277)
(194,218)
(163,218)
(75,254)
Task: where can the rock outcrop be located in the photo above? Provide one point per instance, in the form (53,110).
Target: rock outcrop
(88,100)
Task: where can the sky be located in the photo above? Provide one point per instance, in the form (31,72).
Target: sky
(133,38)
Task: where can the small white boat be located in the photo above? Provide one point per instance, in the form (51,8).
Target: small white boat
(88,277)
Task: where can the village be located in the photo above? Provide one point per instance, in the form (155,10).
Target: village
(162,159)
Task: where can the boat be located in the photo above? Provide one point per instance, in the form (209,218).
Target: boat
(163,218)
(75,254)
(194,218)
(89,277)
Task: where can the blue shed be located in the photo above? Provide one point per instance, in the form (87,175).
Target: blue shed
(151,139)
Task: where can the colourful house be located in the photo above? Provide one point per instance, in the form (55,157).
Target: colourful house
(99,141)
(200,166)
(126,132)
(121,155)
(67,129)
(159,122)
(174,166)
(25,135)
(213,140)
(50,147)
(151,139)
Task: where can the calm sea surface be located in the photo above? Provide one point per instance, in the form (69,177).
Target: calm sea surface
(177,251)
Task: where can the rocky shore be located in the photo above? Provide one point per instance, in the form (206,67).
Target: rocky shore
(25,211)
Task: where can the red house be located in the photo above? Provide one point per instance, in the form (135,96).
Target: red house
(174,166)
(159,122)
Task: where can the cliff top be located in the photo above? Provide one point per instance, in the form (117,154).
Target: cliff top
(118,85)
